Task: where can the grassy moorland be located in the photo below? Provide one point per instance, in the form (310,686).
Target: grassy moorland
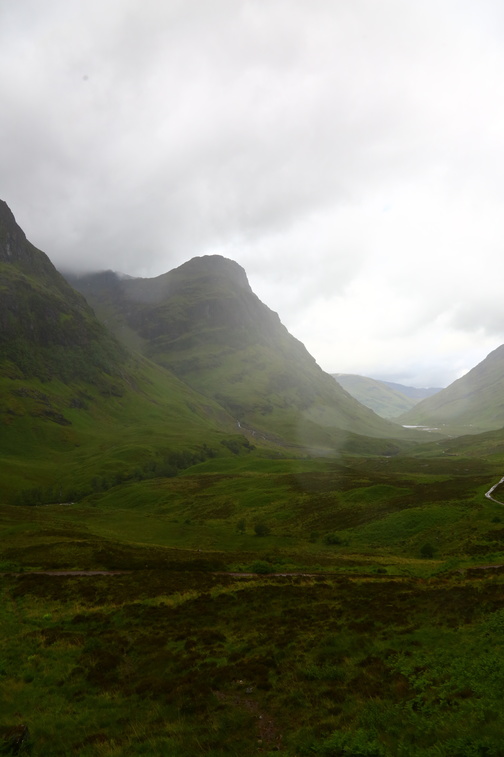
(388,641)
(188,663)
(337,514)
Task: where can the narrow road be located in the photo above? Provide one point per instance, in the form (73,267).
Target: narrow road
(488,494)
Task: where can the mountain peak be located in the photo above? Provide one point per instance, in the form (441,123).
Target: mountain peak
(204,323)
(215,266)
(6,213)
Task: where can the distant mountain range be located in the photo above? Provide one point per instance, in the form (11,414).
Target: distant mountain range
(473,404)
(386,398)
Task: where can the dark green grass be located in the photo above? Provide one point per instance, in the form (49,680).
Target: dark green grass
(60,441)
(176,658)
(378,512)
(378,506)
(155,663)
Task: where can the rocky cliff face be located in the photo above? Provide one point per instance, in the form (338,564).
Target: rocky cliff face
(47,329)
(16,250)
(12,238)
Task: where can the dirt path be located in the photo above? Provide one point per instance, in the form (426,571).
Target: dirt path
(123,572)
(219,573)
(68,573)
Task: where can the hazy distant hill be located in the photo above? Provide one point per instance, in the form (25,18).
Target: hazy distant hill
(416,393)
(204,323)
(471,404)
(384,397)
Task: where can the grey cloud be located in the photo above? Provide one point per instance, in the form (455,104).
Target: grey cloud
(482,314)
(330,148)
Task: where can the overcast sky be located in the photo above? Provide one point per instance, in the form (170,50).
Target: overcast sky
(349,154)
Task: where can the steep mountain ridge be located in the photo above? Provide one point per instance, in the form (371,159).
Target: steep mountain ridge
(472,404)
(47,330)
(204,322)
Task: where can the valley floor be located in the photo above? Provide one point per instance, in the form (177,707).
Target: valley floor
(252,606)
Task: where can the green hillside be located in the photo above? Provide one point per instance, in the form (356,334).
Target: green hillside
(61,441)
(472,404)
(203,322)
(77,412)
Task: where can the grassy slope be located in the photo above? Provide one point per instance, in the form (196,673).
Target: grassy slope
(472,404)
(65,439)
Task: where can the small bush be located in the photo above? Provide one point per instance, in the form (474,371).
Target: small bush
(356,744)
(261,566)
(332,539)
(241,526)
(427,551)
(261,529)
